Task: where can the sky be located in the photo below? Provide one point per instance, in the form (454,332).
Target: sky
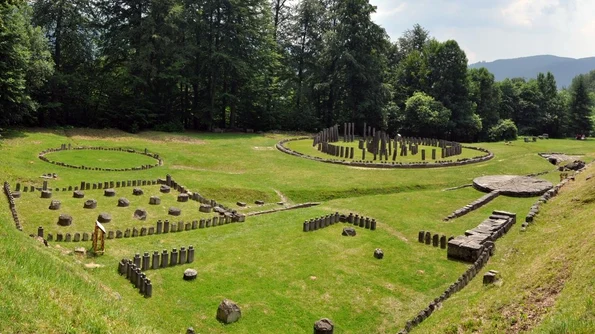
(488,30)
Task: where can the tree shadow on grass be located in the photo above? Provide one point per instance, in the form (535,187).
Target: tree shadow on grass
(11,134)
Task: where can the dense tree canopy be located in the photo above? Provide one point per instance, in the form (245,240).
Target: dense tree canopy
(259,64)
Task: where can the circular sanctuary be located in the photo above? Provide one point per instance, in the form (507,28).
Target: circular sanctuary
(115,159)
(513,185)
(376,149)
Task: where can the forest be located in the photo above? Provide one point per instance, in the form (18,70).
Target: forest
(217,65)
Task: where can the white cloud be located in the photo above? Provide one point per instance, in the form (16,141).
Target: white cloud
(497,29)
(387,8)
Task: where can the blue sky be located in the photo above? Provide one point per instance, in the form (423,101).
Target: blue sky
(498,29)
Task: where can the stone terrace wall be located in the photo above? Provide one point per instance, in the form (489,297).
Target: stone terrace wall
(473,206)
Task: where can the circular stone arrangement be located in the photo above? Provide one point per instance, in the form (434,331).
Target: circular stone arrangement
(483,155)
(513,185)
(159,161)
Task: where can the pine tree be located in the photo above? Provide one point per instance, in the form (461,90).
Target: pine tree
(580,108)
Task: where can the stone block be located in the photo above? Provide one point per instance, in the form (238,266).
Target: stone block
(228,312)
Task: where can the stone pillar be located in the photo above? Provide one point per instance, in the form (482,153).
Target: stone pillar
(435,239)
(183,255)
(443,242)
(166,226)
(421,236)
(428,238)
(423,155)
(174,257)
(433,154)
(40,231)
(148,288)
(155,260)
(190,254)
(137,260)
(373,225)
(164,259)
(306,226)
(145,266)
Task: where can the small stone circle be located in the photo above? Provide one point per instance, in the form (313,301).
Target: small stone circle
(78,194)
(190,274)
(65,220)
(513,185)
(228,312)
(104,218)
(174,211)
(123,202)
(55,205)
(137,191)
(90,204)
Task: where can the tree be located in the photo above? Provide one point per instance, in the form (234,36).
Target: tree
(486,97)
(355,57)
(25,62)
(448,83)
(425,117)
(580,107)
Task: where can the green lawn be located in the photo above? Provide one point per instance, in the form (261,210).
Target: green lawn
(101,159)
(282,278)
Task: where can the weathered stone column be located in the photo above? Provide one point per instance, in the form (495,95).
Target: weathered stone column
(164,259)
(174,257)
(190,254)
(183,255)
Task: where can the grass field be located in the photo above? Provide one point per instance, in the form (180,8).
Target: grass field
(282,278)
(101,159)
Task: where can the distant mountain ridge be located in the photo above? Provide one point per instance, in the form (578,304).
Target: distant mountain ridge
(564,69)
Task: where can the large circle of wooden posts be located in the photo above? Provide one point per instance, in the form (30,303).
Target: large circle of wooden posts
(513,185)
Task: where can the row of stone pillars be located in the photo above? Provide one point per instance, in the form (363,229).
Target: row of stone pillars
(328,220)
(435,240)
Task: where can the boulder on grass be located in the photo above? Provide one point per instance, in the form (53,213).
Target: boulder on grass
(154,200)
(104,218)
(174,211)
(164,189)
(109,193)
(78,194)
(378,253)
(137,191)
(190,274)
(123,202)
(349,231)
(90,204)
(65,220)
(140,214)
(324,326)
(228,312)
(55,205)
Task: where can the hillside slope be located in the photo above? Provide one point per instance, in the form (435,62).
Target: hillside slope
(44,291)
(564,69)
(547,283)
